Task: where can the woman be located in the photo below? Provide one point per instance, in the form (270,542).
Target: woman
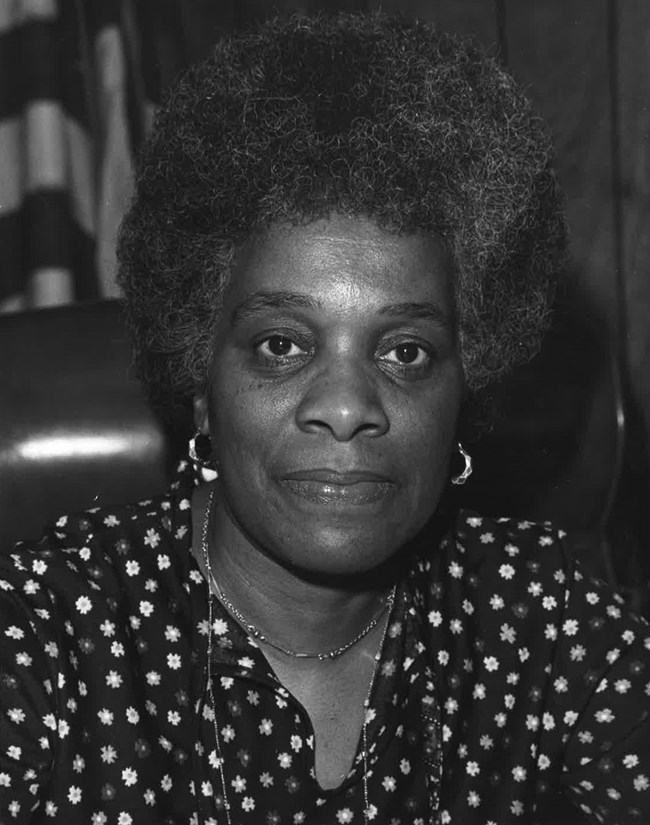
(343,230)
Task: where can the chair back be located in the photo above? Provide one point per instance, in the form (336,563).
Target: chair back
(75,429)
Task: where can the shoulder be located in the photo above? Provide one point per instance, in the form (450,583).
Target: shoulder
(512,552)
(493,572)
(105,556)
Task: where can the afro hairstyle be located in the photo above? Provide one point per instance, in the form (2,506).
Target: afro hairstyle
(368,114)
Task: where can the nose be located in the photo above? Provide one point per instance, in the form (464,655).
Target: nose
(344,402)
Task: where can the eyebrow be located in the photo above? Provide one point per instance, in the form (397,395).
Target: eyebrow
(260,301)
(426,310)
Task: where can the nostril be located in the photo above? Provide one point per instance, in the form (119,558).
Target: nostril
(343,413)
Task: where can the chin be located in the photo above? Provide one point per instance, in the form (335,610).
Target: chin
(341,556)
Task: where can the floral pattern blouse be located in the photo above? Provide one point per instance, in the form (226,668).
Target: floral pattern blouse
(500,656)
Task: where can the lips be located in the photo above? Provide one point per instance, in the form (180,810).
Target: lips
(335,488)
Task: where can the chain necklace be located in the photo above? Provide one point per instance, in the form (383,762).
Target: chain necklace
(257,634)
(369,811)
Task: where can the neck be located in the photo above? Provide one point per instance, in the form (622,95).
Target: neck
(301,613)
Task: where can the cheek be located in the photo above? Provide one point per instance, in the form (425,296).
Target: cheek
(243,423)
(427,441)
(429,421)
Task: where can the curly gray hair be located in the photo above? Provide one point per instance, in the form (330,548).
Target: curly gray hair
(372,115)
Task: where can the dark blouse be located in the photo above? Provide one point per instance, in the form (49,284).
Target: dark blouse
(537,676)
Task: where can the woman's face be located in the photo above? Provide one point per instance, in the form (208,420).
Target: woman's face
(333,395)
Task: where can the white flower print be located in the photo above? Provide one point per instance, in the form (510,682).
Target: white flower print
(132,568)
(455,570)
(550,632)
(113,679)
(16,715)
(152,538)
(548,721)
(105,716)
(570,627)
(456,626)
(532,722)
(108,754)
(84,605)
(473,799)
(570,718)
(508,633)
(561,684)
(479,691)
(74,794)
(117,649)
(172,634)
(239,784)
(435,618)
(578,653)
(219,626)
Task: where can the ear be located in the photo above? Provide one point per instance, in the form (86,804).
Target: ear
(200,404)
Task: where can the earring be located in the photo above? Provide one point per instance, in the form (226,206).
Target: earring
(200,453)
(467,472)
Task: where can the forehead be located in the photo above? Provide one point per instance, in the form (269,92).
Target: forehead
(342,261)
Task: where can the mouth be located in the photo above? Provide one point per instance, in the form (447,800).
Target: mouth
(334,488)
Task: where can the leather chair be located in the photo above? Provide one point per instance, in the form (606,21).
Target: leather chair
(75,429)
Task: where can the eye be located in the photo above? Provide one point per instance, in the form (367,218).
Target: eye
(407,354)
(279,347)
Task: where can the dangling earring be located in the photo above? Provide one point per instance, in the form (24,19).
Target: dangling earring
(467,472)
(200,453)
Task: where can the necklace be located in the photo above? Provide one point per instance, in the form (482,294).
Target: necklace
(369,811)
(257,634)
